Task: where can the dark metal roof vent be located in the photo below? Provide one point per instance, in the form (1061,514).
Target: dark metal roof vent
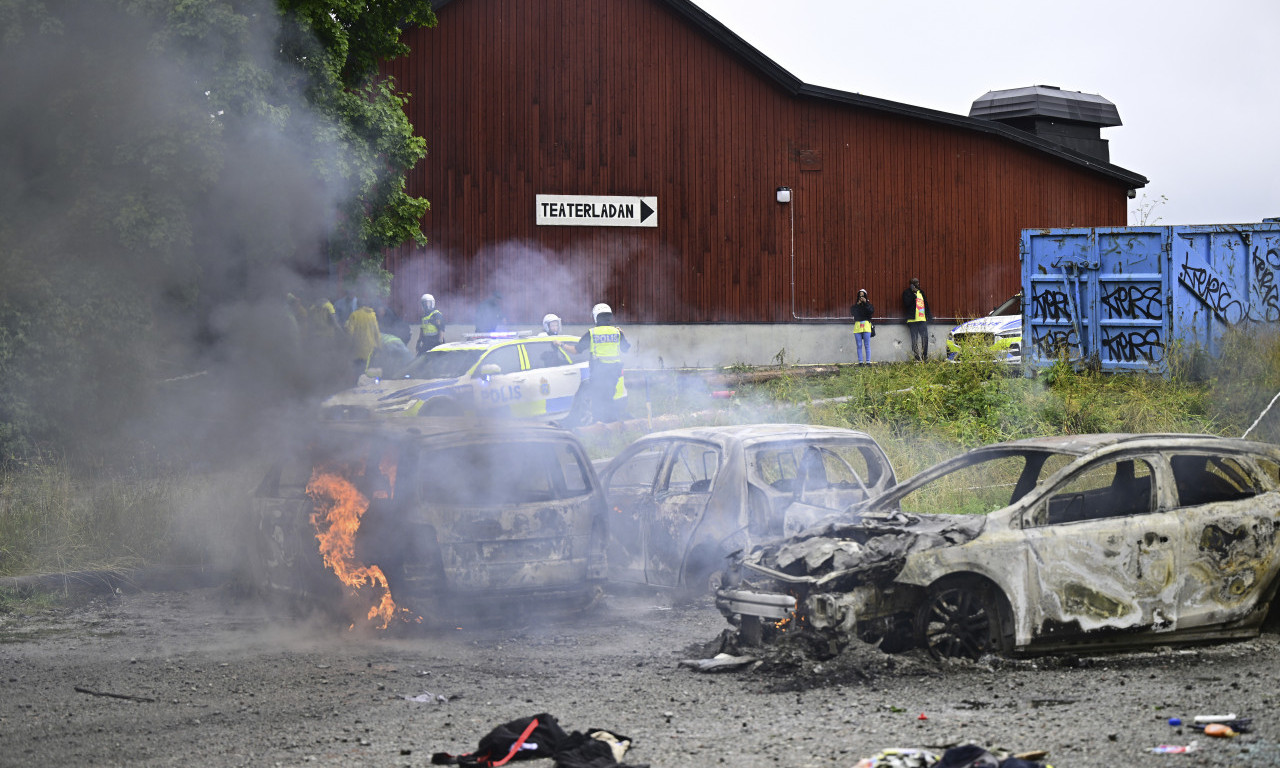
(1071,119)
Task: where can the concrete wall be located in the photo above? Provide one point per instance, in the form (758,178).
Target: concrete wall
(718,345)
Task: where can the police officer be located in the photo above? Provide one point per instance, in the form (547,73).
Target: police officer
(550,325)
(606,343)
(431,333)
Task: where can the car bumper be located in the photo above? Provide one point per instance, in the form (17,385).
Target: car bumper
(835,611)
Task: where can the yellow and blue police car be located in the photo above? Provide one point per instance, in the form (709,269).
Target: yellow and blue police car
(495,374)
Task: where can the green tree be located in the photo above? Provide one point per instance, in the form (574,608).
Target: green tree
(167,170)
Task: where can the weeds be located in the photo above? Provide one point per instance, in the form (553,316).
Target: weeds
(56,517)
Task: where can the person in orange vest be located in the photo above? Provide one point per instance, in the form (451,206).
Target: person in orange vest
(916,307)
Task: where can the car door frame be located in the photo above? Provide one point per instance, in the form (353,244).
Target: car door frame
(1144,547)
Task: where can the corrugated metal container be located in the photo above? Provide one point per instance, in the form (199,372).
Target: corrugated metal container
(1124,296)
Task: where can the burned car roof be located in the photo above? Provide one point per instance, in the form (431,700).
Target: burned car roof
(1108,540)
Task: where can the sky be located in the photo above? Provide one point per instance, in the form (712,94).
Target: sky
(1193,81)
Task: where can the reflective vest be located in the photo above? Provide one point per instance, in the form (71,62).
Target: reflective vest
(366,339)
(606,344)
(919,318)
(429,323)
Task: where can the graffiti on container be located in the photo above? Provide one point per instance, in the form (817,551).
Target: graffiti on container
(1054,341)
(1264,277)
(1130,346)
(1134,302)
(1214,292)
(1051,305)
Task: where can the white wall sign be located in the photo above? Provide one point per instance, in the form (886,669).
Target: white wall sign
(597,211)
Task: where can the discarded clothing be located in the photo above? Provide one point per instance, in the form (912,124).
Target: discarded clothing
(541,736)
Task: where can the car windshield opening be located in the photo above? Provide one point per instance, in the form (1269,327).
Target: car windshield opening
(442,364)
(503,473)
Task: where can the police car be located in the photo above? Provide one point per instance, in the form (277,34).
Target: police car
(1000,332)
(496,374)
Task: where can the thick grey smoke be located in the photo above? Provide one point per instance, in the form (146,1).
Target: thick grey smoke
(158,199)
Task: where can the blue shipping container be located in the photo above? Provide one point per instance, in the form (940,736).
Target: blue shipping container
(1121,296)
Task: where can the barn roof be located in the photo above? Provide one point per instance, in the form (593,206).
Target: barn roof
(793,85)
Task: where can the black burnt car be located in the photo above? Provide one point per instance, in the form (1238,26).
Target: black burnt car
(681,500)
(431,519)
(1045,544)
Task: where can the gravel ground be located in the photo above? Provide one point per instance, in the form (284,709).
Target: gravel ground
(226,685)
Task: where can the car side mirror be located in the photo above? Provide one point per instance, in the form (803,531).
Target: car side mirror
(489,370)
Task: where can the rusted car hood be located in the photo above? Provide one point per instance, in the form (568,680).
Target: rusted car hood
(873,547)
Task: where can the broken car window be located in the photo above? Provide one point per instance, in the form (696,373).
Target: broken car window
(497,473)
(692,469)
(1204,479)
(638,472)
(973,489)
(1111,488)
(1271,470)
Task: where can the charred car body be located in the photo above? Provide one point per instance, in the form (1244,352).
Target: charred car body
(681,500)
(432,518)
(1038,545)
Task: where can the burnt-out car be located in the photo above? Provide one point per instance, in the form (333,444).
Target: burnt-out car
(680,501)
(432,519)
(1037,545)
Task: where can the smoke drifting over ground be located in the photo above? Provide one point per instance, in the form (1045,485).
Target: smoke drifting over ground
(156,207)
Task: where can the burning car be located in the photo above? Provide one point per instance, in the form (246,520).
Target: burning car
(683,499)
(431,519)
(1000,332)
(1037,545)
(498,374)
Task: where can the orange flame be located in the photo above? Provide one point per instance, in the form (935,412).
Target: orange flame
(339,506)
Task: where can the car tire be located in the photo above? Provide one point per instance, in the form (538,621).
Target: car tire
(962,620)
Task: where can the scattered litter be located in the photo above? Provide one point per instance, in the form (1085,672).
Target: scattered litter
(1174,749)
(124,696)
(427,697)
(721,662)
(1215,718)
(963,756)
(1175,721)
(923,716)
(1235,727)
(899,758)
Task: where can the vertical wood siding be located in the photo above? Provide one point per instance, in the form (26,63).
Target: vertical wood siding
(624,97)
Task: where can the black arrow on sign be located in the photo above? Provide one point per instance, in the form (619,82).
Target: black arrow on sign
(645,210)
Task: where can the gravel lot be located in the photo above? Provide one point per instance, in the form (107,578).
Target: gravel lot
(227,685)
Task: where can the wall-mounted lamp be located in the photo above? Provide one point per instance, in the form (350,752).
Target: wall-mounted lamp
(784,194)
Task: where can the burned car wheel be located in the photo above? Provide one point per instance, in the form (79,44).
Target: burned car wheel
(961,621)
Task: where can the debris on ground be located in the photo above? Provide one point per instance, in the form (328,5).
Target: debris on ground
(541,736)
(721,662)
(962,756)
(427,697)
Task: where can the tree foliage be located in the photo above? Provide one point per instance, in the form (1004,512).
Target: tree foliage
(168,168)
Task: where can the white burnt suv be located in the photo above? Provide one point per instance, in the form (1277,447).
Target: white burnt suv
(434,519)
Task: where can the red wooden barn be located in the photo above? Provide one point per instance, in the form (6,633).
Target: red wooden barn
(542,114)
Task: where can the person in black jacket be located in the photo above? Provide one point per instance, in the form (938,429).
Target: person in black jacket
(916,307)
(861,312)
